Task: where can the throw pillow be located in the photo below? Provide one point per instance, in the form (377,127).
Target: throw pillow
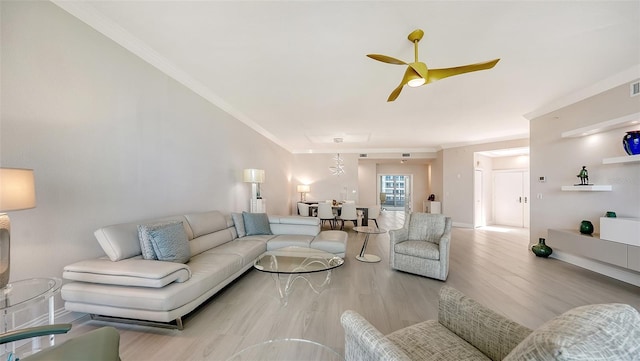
(256,223)
(593,332)
(145,241)
(169,241)
(238,221)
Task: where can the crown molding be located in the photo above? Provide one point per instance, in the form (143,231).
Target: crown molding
(625,76)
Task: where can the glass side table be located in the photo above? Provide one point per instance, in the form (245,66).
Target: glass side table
(287,349)
(22,295)
(362,256)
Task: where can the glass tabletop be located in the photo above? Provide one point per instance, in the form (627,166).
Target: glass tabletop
(22,293)
(291,260)
(370,230)
(287,349)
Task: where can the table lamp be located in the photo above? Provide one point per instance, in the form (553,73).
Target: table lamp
(17,191)
(303,189)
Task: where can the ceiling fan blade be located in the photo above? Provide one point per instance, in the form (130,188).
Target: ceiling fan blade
(394,94)
(437,74)
(405,79)
(386,59)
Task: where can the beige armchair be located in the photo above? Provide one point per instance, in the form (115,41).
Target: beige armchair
(467,330)
(421,246)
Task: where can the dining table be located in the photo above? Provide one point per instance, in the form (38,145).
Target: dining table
(313,207)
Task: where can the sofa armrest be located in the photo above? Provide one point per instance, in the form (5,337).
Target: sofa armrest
(491,333)
(364,342)
(128,272)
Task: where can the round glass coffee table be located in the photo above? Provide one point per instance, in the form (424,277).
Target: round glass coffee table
(295,263)
(362,256)
(20,296)
(287,349)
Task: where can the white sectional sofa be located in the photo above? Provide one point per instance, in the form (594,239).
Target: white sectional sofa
(124,285)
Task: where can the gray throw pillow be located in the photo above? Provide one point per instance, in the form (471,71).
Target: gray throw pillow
(238,221)
(256,223)
(168,240)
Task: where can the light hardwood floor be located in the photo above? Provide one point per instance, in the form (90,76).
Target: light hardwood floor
(492,265)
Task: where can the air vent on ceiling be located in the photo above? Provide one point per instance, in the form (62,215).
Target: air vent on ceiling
(635,88)
(406,155)
(363,155)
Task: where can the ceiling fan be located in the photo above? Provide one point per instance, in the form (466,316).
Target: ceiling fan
(418,74)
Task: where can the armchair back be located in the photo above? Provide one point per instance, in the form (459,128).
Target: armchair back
(428,227)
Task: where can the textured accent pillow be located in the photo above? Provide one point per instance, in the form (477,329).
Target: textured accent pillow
(593,332)
(168,241)
(238,221)
(256,223)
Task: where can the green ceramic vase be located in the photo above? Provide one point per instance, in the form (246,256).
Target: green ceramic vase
(586,227)
(541,249)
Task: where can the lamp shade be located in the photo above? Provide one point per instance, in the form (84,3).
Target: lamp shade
(17,189)
(303,188)
(253,175)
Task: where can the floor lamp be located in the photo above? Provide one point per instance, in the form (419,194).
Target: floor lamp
(255,177)
(17,191)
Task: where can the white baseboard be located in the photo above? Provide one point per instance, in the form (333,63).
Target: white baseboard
(602,268)
(462,225)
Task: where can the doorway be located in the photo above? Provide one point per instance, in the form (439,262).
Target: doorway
(395,192)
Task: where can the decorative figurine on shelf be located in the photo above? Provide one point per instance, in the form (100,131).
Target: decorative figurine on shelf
(584,176)
(432,198)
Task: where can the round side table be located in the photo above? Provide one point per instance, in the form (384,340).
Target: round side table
(362,256)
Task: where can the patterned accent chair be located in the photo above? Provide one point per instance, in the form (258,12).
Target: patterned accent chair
(421,246)
(467,330)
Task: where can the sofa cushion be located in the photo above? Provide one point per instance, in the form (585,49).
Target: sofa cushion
(121,241)
(309,226)
(128,272)
(256,223)
(422,249)
(238,222)
(206,222)
(169,241)
(593,332)
(331,241)
(289,240)
(430,341)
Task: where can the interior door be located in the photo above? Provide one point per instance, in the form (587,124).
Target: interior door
(510,198)
(479,219)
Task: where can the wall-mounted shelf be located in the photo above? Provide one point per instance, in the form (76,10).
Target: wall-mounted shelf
(592,188)
(600,127)
(625,159)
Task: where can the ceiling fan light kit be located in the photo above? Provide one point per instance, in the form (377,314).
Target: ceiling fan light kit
(418,74)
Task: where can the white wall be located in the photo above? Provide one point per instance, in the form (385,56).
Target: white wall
(560,159)
(313,169)
(111,139)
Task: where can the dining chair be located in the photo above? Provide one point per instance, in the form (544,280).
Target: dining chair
(325,213)
(348,213)
(373,214)
(303,209)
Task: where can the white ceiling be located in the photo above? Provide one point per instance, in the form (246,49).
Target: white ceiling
(296,71)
